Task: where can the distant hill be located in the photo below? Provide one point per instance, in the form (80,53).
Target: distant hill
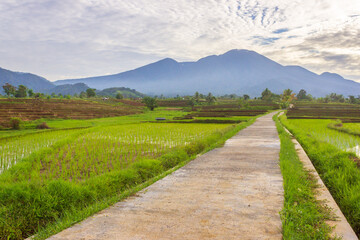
(66,89)
(236,71)
(37,83)
(126,92)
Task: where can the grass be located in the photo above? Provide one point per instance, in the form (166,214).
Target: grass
(303,217)
(350,128)
(335,167)
(29,127)
(16,148)
(49,187)
(319,130)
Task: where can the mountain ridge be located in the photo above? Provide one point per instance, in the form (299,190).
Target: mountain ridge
(236,71)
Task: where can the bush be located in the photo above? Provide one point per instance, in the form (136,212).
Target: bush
(15,123)
(42,125)
(195,148)
(148,168)
(173,158)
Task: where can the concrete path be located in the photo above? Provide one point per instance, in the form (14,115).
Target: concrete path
(233,192)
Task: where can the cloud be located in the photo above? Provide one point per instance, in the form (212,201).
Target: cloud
(264,40)
(85,37)
(280,30)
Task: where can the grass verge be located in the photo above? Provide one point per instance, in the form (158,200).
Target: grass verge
(303,217)
(337,170)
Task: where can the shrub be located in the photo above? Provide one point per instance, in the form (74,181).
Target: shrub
(148,168)
(15,123)
(42,125)
(173,158)
(194,148)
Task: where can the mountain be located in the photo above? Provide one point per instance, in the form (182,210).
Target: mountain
(67,89)
(126,92)
(236,71)
(36,83)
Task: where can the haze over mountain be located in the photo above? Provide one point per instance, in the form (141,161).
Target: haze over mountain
(30,80)
(37,83)
(236,71)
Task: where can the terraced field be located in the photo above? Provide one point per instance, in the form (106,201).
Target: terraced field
(31,109)
(333,147)
(47,175)
(345,112)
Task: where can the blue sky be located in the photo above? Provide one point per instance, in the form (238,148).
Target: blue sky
(79,38)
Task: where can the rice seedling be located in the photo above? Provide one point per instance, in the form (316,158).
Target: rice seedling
(318,130)
(325,147)
(14,149)
(115,147)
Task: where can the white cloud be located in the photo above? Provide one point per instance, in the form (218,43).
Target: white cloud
(86,37)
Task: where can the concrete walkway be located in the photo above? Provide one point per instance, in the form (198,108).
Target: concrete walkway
(233,192)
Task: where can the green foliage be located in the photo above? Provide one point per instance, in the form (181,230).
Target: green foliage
(197,97)
(336,167)
(173,158)
(30,93)
(39,95)
(302,216)
(266,95)
(9,89)
(90,92)
(125,92)
(21,92)
(333,97)
(15,123)
(42,125)
(150,103)
(191,102)
(83,95)
(210,99)
(119,95)
(195,147)
(47,200)
(302,95)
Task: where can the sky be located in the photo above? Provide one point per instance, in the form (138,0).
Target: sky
(60,39)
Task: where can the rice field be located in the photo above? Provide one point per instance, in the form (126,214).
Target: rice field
(318,130)
(333,154)
(16,148)
(115,147)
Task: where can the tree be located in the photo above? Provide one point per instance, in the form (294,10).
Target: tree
(90,92)
(232,96)
(191,103)
(352,99)
(287,97)
(39,95)
(197,97)
(21,92)
(119,95)
(301,95)
(83,94)
(333,97)
(210,99)
(150,103)
(30,93)
(246,97)
(9,89)
(266,95)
